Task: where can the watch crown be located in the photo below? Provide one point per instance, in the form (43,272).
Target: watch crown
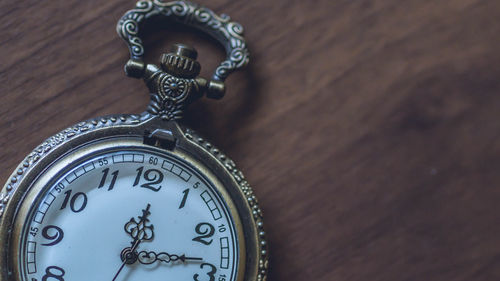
(181,62)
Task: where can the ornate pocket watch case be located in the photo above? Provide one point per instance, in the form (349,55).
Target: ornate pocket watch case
(95,145)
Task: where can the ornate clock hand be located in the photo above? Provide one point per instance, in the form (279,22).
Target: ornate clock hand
(150,257)
(183,258)
(139,231)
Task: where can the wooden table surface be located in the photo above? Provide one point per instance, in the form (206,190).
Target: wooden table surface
(369,129)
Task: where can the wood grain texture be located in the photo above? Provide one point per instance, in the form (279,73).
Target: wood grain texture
(369,129)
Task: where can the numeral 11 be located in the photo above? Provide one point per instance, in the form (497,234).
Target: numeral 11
(104,177)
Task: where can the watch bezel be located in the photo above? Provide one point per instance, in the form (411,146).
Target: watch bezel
(134,126)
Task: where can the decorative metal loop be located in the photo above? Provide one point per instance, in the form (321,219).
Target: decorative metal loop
(227,32)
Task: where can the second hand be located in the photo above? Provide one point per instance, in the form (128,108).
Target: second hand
(136,244)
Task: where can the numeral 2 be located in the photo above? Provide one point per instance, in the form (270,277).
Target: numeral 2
(205,230)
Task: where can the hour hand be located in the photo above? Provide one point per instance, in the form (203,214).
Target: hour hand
(141,230)
(150,257)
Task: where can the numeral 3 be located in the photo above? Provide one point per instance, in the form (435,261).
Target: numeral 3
(211,273)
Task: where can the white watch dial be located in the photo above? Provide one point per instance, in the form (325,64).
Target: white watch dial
(132,215)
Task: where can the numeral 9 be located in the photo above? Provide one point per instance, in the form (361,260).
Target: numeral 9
(55,237)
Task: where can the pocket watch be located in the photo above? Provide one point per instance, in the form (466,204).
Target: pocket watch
(138,197)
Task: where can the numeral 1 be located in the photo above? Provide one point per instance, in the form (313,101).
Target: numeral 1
(184,198)
(138,177)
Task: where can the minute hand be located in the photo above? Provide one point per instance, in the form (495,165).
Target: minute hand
(150,257)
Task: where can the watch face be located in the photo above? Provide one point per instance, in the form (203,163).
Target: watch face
(133,215)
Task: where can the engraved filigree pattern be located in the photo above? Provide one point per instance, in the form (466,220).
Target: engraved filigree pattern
(228,32)
(173,88)
(52,143)
(249,194)
(169,94)
(166,109)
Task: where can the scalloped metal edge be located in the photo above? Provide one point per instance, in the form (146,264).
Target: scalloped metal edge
(54,141)
(247,191)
